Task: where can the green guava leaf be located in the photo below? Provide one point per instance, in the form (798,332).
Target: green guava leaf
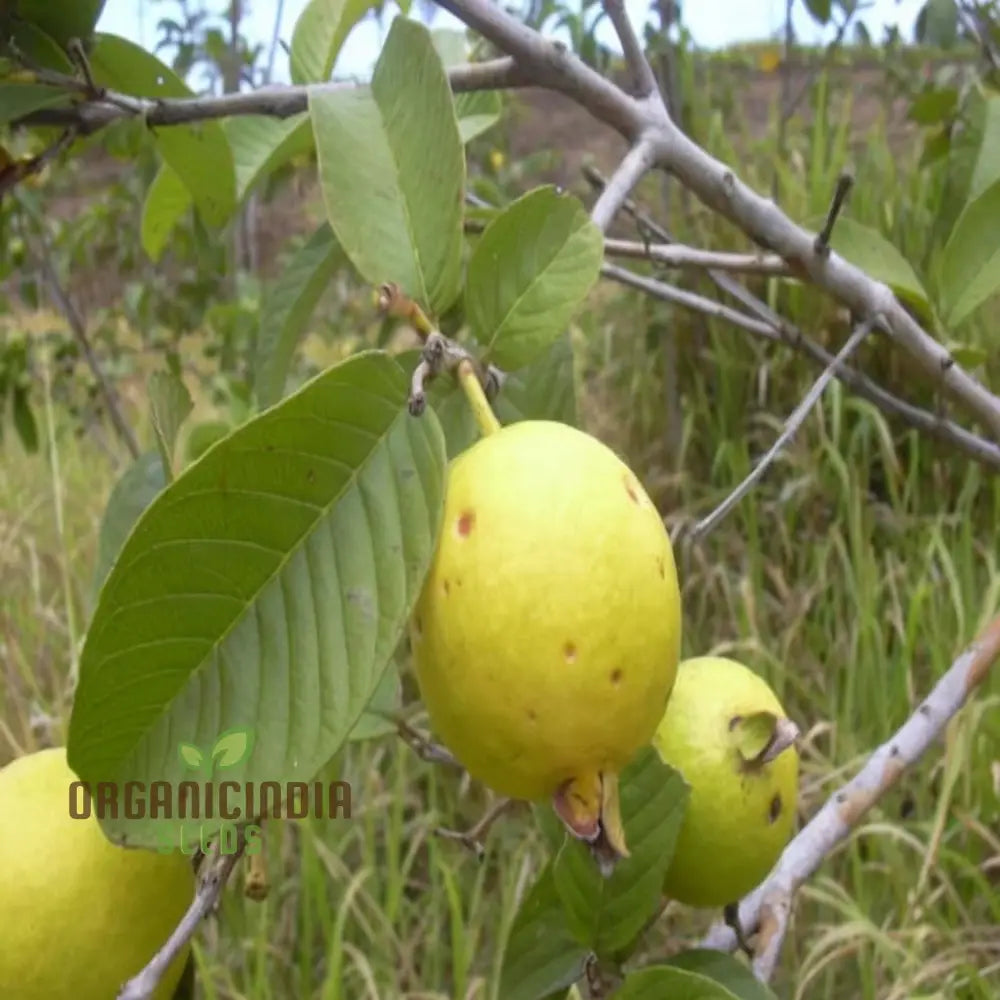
(62,19)
(970,272)
(19,99)
(529,272)
(199,153)
(319,34)
(232,747)
(135,490)
(202,436)
(261,144)
(540,956)
(657,982)
(170,405)
(39,46)
(387,698)
(987,169)
(869,250)
(395,202)
(167,201)
(479,110)
(723,970)
(544,390)
(606,914)
(266,589)
(288,306)
(191,756)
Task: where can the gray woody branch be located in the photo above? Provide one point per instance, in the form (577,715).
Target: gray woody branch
(212,880)
(768,325)
(766,910)
(96,112)
(645,120)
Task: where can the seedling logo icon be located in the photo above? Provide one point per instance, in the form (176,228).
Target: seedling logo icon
(230,749)
(202,799)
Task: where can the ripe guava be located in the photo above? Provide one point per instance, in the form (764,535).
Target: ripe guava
(80,916)
(725,731)
(547,635)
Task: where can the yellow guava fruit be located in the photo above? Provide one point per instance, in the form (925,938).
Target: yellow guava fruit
(547,635)
(80,916)
(725,731)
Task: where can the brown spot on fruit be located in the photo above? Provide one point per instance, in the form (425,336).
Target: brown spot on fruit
(774,811)
(466,520)
(569,651)
(616,676)
(447,587)
(310,475)
(661,566)
(532,715)
(630,489)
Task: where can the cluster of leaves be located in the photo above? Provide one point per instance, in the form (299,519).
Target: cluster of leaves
(575,923)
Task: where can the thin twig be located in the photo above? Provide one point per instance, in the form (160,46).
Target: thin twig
(689,300)
(631,170)
(423,746)
(933,425)
(65,305)
(643,77)
(17,171)
(683,257)
(211,882)
(474,839)
(792,424)
(766,910)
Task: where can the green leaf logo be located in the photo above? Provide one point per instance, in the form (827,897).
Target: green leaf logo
(231,747)
(191,756)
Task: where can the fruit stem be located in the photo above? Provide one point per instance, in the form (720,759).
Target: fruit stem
(473,389)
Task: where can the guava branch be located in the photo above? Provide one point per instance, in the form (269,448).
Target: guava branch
(766,910)
(634,166)
(643,77)
(766,323)
(688,300)
(718,187)
(692,258)
(792,425)
(212,880)
(95,111)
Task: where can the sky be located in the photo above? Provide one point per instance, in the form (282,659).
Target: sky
(712,23)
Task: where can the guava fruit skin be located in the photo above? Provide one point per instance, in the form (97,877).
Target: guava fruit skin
(738,820)
(547,634)
(80,916)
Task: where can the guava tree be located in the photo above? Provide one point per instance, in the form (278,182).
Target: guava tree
(267,584)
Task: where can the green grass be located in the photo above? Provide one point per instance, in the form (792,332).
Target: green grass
(864,562)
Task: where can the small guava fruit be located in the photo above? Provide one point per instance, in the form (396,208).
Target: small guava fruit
(80,916)
(725,731)
(547,634)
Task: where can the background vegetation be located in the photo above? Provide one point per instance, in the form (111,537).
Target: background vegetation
(850,578)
